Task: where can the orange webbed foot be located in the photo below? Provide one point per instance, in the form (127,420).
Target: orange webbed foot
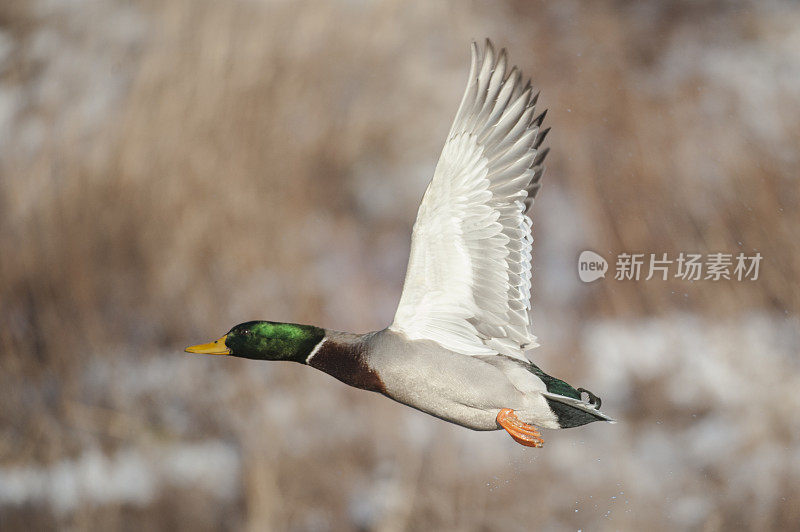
(522,433)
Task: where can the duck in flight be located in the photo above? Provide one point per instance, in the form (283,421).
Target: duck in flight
(456,348)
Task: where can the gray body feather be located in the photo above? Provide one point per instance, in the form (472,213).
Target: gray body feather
(465,390)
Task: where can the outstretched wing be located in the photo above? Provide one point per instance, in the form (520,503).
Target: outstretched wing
(468,281)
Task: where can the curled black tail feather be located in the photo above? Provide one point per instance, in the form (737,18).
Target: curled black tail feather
(593,399)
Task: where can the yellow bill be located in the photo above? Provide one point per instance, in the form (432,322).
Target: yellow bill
(217,347)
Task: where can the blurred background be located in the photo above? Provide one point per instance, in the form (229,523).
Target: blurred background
(169,169)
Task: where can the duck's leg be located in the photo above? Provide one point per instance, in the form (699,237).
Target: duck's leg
(522,433)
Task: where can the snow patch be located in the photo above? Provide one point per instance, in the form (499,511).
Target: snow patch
(132,476)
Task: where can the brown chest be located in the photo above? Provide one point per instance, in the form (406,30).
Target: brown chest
(347,362)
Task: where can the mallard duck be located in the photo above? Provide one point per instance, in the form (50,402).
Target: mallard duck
(456,348)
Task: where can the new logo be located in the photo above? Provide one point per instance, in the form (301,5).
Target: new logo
(591,266)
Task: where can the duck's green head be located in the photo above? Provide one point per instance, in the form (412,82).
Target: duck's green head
(265,340)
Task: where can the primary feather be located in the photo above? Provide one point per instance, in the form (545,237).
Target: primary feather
(468,281)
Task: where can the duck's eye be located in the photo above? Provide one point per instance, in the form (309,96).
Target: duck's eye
(246,332)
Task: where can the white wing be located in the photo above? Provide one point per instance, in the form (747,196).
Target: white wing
(468,281)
